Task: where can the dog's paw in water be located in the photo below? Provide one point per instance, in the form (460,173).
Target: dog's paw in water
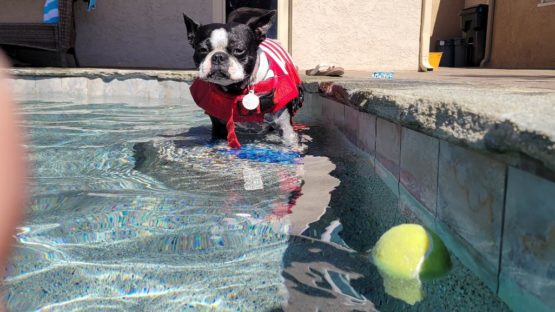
(291,140)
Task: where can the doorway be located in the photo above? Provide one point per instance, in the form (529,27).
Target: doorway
(232,5)
(281,31)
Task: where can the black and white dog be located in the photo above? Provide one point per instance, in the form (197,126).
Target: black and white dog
(244,79)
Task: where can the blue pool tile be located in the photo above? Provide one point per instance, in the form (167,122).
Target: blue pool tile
(413,209)
(75,86)
(332,111)
(528,263)
(48,86)
(366,136)
(95,87)
(23,86)
(311,110)
(338,111)
(391,181)
(351,123)
(470,202)
(388,146)
(419,166)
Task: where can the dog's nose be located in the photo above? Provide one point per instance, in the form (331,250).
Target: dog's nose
(219,58)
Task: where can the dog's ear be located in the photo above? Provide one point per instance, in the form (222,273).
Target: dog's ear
(262,24)
(192,28)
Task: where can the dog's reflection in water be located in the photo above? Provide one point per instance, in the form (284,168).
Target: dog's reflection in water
(200,167)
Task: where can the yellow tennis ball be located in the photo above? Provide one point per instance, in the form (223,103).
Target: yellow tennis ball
(407,289)
(406,254)
(409,251)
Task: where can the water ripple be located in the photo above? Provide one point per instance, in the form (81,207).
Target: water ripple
(134,208)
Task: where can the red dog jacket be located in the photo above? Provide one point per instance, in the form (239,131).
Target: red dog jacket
(284,85)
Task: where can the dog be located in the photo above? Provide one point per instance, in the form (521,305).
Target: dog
(245,80)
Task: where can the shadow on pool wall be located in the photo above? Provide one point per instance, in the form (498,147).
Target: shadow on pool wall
(366,208)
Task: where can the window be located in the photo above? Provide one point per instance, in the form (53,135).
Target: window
(546,2)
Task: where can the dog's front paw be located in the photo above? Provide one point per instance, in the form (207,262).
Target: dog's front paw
(291,140)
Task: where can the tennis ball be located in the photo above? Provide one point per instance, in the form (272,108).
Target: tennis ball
(438,262)
(409,251)
(407,289)
(407,254)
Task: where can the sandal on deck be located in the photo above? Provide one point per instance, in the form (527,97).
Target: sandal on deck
(326,70)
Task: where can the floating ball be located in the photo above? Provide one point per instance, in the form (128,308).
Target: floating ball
(407,254)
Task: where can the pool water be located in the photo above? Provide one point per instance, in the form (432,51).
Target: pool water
(361,210)
(135,209)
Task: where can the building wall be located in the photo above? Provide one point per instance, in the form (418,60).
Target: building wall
(358,35)
(445,22)
(372,34)
(471,3)
(21,11)
(379,34)
(139,33)
(523,35)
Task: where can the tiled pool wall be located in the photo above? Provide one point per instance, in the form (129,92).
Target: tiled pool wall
(498,217)
(96,87)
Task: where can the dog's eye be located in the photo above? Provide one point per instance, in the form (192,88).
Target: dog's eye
(238,52)
(203,50)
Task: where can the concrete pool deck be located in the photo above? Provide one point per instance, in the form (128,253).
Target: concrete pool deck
(484,77)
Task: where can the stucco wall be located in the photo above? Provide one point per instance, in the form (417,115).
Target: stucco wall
(372,34)
(362,35)
(523,35)
(21,11)
(471,3)
(139,33)
(445,20)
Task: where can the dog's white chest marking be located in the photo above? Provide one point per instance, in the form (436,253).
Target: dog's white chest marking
(219,39)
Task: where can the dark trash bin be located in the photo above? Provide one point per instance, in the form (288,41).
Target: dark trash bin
(460,53)
(448,58)
(474,21)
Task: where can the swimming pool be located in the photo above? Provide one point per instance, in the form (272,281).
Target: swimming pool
(133,208)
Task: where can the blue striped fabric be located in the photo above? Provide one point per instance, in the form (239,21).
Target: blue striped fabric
(51,14)
(92,5)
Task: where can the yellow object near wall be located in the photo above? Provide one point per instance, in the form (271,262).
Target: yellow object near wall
(435,59)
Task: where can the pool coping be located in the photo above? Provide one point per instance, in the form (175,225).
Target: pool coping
(513,123)
(106,74)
